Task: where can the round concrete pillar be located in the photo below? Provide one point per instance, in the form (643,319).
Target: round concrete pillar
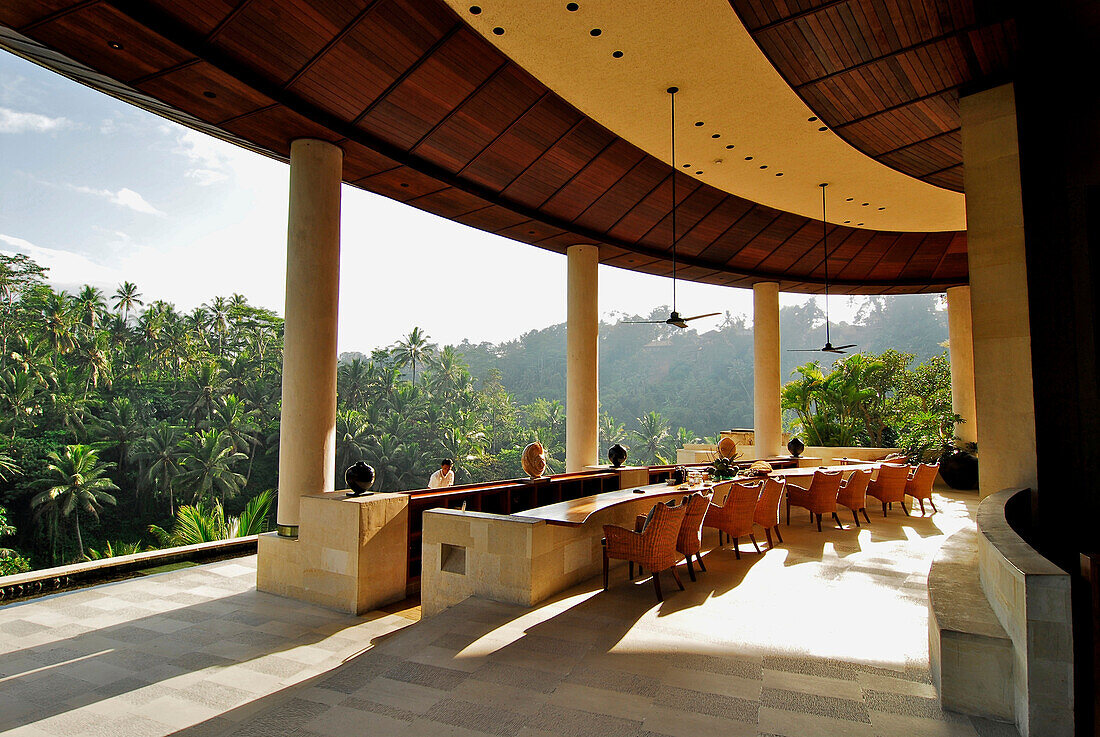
(767,415)
(307,425)
(582,440)
(961,346)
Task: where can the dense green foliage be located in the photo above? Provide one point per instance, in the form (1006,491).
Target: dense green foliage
(120,419)
(877,401)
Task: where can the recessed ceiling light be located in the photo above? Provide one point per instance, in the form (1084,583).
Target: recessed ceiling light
(698,172)
(698,123)
(617,54)
(572,7)
(763,166)
(847,221)
(404,184)
(715,135)
(823,128)
(812,118)
(882,208)
(687,166)
(475,10)
(779,173)
(729,145)
(209,94)
(530,232)
(865,204)
(595,32)
(748,158)
(115,45)
(849,199)
(498,31)
(859,223)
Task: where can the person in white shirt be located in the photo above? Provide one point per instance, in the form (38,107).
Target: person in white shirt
(444,476)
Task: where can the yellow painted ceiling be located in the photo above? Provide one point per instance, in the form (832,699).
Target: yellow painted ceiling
(727,84)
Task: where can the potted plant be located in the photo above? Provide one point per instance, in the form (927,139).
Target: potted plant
(959,464)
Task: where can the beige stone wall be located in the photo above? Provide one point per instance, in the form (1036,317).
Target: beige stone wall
(351,555)
(512,559)
(1031,598)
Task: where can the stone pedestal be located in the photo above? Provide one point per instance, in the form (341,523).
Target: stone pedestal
(351,555)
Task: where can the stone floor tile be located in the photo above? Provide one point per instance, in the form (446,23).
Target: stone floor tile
(575,723)
(896,725)
(480,717)
(801,724)
(666,720)
(793,681)
(599,701)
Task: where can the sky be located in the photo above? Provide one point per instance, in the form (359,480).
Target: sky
(102,192)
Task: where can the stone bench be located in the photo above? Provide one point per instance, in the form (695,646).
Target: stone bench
(971,653)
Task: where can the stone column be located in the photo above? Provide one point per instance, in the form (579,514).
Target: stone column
(1004,396)
(582,440)
(767,420)
(961,342)
(307,426)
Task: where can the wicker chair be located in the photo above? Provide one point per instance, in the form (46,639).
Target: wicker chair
(767,508)
(889,487)
(734,518)
(919,484)
(654,547)
(853,494)
(820,498)
(690,540)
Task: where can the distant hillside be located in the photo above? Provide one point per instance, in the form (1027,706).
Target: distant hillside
(699,381)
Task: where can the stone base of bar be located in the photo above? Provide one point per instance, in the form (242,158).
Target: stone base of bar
(351,554)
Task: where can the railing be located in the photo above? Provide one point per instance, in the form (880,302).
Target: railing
(499,497)
(657,474)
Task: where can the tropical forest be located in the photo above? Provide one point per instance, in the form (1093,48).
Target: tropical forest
(127,424)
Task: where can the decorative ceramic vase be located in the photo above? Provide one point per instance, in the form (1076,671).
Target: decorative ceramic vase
(359,477)
(796,446)
(959,469)
(727,447)
(617,455)
(533,460)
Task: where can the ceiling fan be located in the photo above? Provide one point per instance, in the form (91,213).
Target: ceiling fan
(674,319)
(829,347)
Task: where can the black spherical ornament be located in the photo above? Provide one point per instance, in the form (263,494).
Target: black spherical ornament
(359,478)
(680,475)
(796,446)
(617,455)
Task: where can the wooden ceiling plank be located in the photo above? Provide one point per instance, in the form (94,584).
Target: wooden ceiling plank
(51,17)
(408,71)
(332,42)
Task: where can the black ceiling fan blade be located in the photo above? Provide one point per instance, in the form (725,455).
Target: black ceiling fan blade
(850,345)
(803,350)
(643,322)
(699,317)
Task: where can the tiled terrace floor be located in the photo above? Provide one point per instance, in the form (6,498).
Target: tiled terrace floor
(825,635)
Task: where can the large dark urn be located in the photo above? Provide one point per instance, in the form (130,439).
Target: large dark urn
(959,469)
(617,455)
(359,477)
(796,446)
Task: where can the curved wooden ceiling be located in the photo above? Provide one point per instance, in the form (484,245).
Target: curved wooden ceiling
(885,75)
(430,114)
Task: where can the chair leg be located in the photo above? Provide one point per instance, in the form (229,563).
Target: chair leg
(904,509)
(768,534)
(753,538)
(921,507)
(631,569)
(933,504)
(691,568)
(884,509)
(736,550)
(777,533)
(864,510)
(837,520)
(811,518)
(699,560)
(818,521)
(676,578)
(605,569)
(788,511)
(657,586)
(855,515)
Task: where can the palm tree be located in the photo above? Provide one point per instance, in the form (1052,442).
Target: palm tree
(353,383)
(651,438)
(233,418)
(611,432)
(208,464)
(412,349)
(217,312)
(197,524)
(91,354)
(81,486)
(19,392)
(8,468)
(205,389)
(57,313)
(126,297)
(89,306)
(353,438)
(161,454)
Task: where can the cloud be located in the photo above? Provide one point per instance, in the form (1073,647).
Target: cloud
(206,177)
(124,197)
(66,269)
(13,121)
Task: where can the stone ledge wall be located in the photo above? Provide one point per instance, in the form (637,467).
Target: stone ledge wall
(1031,598)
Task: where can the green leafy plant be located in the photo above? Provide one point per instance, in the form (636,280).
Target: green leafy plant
(199,524)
